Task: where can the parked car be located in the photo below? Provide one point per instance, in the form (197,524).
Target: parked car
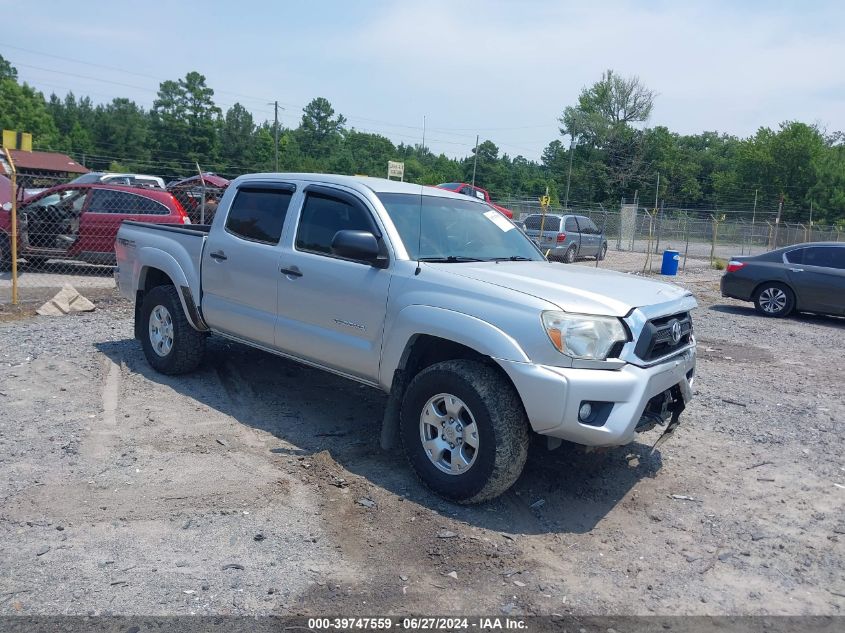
(110,178)
(804,278)
(432,298)
(80,221)
(566,237)
(475,192)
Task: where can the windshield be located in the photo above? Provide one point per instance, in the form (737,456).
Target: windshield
(455,230)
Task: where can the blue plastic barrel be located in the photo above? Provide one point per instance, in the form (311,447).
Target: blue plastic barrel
(670,262)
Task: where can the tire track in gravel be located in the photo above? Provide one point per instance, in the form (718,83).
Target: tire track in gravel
(111,401)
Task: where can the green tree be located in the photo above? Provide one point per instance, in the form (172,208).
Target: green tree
(7,71)
(22,108)
(238,138)
(184,122)
(320,131)
(121,129)
(603,120)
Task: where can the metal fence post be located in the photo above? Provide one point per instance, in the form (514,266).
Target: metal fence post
(13,239)
(202,199)
(659,229)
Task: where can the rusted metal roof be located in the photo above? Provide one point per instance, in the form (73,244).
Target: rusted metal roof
(46,161)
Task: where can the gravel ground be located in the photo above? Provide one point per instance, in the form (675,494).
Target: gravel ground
(256,486)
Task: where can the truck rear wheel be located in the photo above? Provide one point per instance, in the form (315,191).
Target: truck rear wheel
(464,430)
(171,345)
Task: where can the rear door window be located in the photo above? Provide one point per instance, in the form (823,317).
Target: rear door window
(571,225)
(823,256)
(258,214)
(112,201)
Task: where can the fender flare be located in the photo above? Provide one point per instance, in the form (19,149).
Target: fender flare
(415,320)
(149,258)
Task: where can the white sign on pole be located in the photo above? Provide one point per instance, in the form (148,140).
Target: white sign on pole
(395,170)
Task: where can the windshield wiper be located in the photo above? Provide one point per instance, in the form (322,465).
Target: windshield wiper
(512,258)
(451,259)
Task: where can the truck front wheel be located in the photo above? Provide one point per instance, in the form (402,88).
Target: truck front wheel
(464,430)
(171,345)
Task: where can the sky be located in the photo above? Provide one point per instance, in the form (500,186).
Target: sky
(503,70)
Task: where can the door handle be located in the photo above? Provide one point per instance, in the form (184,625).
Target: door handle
(218,255)
(797,270)
(293,271)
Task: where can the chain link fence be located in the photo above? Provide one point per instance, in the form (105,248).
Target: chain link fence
(65,230)
(699,235)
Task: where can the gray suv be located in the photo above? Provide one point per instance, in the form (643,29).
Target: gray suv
(566,237)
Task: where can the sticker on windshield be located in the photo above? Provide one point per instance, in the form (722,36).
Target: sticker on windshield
(499,220)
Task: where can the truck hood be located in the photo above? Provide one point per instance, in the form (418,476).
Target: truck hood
(572,288)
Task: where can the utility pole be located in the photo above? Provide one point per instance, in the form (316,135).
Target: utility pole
(657,191)
(275,105)
(810,229)
(422,149)
(569,174)
(753,217)
(276,136)
(475,160)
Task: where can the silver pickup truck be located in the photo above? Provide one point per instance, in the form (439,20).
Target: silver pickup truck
(430,296)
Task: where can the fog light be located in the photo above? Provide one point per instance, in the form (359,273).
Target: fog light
(585,412)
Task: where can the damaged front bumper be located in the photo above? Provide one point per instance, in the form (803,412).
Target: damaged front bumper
(626,400)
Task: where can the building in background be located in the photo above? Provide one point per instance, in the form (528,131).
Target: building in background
(40,170)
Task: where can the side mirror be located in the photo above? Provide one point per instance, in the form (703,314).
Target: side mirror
(360,245)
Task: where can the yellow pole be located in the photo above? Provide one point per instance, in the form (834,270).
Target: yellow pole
(13,238)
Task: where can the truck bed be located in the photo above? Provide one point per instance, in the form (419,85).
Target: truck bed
(174,248)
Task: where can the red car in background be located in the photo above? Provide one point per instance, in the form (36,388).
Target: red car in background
(475,192)
(80,221)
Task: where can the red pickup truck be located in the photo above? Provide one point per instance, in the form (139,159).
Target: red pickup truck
(475,192)
(80,221)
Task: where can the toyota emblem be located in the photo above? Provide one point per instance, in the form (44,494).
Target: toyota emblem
(676,332)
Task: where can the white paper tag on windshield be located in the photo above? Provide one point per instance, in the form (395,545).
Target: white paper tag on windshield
(499,220)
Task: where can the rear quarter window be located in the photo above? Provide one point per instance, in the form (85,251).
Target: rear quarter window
(533,222)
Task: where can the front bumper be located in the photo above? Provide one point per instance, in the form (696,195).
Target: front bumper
(552,396)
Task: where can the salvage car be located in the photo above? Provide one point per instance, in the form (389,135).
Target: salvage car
(800,278)
(112,178)
(430,296)
(80,221)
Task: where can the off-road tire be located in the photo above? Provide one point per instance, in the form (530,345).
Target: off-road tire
(500,419)
(188,344)
(773,287)
(5,253)
(570,254)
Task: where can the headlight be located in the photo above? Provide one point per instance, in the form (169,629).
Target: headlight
(582,335)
